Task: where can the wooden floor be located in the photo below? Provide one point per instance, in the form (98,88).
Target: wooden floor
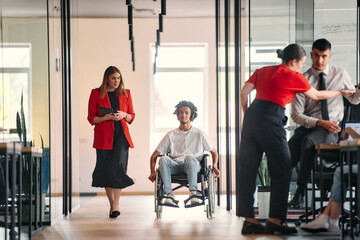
(137,221)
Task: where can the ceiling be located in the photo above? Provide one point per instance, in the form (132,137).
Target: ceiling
(111,8)
(146,8)
(141,8)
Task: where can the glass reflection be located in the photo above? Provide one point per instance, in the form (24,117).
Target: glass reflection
(24,75)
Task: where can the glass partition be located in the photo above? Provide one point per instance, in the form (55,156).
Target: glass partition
(272,27)
(337,22)
(178,66)
(275,24)
(24,85)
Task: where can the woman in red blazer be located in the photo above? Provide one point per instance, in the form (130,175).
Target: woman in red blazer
(111,136)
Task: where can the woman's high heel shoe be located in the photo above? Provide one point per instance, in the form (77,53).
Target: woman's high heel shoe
(115,213)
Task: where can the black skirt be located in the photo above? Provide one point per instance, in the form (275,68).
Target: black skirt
(111,165)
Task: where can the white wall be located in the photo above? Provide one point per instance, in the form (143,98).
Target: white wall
(104,42)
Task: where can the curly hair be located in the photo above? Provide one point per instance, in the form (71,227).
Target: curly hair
(189,105)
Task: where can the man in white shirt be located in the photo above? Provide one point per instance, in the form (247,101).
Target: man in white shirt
(318,119)
(185,147)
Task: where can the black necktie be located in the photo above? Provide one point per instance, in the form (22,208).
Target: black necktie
(324,106)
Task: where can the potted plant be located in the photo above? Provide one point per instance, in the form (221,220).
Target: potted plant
(26,185)
(263,189)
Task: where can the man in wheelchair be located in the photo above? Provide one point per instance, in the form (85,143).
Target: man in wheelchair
(182,150)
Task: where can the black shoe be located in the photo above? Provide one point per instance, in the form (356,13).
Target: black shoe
(297,201)
(252,228)
(283,228)
(114,214)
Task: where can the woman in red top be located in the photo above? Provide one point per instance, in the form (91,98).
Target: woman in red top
(263,132)
(111,136)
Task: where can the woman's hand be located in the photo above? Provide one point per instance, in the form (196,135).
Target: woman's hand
(245,91)
(108,117)
(314,94)
(119,115)
(347,92)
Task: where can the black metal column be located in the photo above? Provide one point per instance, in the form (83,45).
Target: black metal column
(217,24)
(227,107)
(237,16)
(66,95)
(48,47)
(357,42)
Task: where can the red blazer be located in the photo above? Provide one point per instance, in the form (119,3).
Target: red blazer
(104,131)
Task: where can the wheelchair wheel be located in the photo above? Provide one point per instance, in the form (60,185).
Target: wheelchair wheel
(157,194)
(210,208)
(158,211)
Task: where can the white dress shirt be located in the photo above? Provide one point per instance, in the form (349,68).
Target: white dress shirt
(306,112)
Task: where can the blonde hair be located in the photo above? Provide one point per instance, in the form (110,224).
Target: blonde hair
(108,72)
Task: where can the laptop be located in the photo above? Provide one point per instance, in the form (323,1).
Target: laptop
(355,126)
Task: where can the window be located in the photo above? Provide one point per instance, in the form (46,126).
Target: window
(181,74)
(15,81)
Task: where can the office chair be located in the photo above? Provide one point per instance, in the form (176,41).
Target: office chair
(325,164)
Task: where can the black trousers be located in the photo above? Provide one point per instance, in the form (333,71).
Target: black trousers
(302,149)
(263,131)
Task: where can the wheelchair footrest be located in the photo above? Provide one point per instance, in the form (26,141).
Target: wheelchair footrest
(200,198)
(194,205)
(176,205)
(169,205)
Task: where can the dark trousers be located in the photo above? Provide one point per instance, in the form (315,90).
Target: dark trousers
(302,148)
(263,131)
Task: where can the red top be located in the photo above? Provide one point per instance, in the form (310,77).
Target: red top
(278,84)
(104,131)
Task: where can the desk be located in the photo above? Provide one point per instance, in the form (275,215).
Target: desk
(331,150)
(350,150)
(13,179)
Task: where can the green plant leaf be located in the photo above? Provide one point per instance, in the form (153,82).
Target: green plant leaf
(42,141)
(263,172)
(18,125)
(23,123)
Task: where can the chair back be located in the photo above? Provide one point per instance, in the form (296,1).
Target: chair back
(351,114)
(330,157)
(2,186)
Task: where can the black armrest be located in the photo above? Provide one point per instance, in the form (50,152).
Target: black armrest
(203,163)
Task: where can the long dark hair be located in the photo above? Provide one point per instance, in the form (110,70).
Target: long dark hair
(291,52)
(108,72)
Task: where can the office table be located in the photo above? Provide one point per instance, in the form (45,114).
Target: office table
(350,151)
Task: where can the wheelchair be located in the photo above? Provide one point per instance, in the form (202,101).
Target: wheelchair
(206,194)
